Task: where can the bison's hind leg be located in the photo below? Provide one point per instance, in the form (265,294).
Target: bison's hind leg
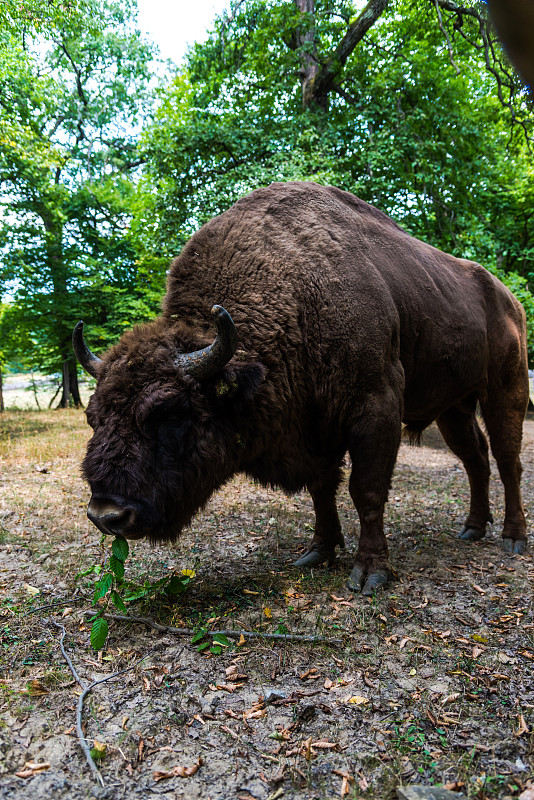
(460,429)
(504,408)
(327,534)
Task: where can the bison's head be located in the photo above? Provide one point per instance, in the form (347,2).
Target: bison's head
(167,423)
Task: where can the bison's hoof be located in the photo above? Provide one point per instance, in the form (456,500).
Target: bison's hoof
(314,558)
(514,546)
(471,534)
(356,579)
(367,583)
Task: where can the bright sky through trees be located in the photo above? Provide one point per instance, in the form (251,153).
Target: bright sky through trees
(175,24)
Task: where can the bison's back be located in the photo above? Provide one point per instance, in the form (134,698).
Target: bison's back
(316,276)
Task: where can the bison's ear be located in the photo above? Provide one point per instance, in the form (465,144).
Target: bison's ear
(240,381)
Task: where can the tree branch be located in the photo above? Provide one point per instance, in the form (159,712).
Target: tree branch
(231,634)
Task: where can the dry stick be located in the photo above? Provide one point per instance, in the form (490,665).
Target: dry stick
(79,708)
(284,637)
(54,605)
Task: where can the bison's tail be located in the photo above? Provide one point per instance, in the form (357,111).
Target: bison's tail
(413,431)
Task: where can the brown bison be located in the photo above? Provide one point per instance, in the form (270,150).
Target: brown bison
(342,327)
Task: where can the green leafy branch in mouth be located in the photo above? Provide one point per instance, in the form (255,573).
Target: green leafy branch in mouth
(111,587)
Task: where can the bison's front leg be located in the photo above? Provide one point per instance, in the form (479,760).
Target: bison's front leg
(373,459)
(327,534)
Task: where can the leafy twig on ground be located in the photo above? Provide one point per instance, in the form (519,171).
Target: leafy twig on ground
(79,707)
(231,634)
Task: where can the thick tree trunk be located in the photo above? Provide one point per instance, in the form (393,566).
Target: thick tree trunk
(319,77)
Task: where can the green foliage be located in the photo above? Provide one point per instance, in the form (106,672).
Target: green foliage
(74,87)
(110,587)
(215,645)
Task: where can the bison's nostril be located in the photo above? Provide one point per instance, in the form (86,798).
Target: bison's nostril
(110,519)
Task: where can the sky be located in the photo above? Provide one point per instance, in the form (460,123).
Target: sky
(175,24)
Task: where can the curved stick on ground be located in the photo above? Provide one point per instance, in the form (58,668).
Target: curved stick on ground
(79,707)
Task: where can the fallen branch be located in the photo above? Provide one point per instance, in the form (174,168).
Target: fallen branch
(230,634)
(86,688)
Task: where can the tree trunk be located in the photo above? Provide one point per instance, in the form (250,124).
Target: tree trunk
(309,65)
(70,390)
(1,392)
(319,77)
(65,392)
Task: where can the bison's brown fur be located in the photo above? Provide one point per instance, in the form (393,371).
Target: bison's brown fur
(346,326)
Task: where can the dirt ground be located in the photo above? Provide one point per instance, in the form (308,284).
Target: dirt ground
(430,682)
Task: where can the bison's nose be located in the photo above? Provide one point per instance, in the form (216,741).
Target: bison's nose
(110,517)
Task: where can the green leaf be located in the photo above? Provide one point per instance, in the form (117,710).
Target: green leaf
(221,639)
(198,636)
(136,595)
(116,566)
(216,650)
(96,569)
(117,601)
(99,633)
(177,585)
(203,646)
(103,586)
(120,548)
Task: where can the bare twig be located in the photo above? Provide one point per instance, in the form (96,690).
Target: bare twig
(231,634)
(86,688)
(54,605)
(72,668)
(79,712)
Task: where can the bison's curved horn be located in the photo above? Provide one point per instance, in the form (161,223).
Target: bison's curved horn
(88,360)
(203,363)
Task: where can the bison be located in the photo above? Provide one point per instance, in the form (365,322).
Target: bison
(333,328)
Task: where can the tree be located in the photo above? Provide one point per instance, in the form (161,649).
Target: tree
(411,106)
(74,86)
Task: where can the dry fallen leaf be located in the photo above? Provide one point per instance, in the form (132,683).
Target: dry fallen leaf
(328,684)
(523,727)
(450,698)
(347,778)
(358,700)
(322,745)
(268,613)
(181,772)
(31,590)
(506,659)
(35,688)
(231,732)
(256,711)
(31,768)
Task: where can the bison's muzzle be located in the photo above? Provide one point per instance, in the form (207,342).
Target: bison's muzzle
(118,517)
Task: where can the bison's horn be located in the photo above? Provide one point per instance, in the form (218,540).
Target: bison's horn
(88,360)
(203,363)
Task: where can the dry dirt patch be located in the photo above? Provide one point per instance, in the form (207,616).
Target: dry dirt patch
(432,682)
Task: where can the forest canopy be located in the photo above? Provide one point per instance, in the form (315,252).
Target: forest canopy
(105,172)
